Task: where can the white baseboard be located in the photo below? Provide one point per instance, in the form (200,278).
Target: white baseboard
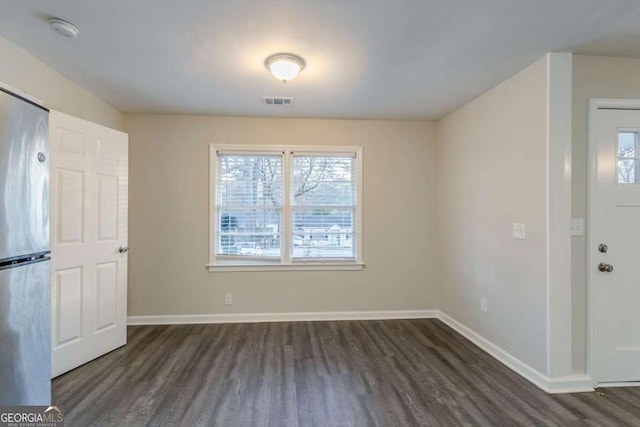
(280,317)
(569,384)
(619,384)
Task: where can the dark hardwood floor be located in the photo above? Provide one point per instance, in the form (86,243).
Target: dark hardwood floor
(355,373)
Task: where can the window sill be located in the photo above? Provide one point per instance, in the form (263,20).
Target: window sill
(319,266)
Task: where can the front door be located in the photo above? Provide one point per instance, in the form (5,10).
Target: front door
(614,242)
(89,209)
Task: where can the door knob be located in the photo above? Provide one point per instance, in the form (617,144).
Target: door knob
(123,249)
(603,266)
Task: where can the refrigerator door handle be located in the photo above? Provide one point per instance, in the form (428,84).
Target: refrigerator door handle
(19,261)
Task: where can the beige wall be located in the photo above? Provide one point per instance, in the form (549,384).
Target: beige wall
(491,161)
(33,77)
(593,77)
(169,218)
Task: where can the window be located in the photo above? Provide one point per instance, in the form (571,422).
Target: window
(285,208)
(628,157)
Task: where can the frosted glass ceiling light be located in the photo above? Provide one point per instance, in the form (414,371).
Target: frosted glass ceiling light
(284,66)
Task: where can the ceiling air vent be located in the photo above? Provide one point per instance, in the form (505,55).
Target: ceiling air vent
(278,100)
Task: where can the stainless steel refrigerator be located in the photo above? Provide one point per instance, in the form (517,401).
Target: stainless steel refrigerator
(25,294)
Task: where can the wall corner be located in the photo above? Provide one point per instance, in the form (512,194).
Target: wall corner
(559,300)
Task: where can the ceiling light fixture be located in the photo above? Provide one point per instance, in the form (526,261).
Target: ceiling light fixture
(64,28)
(284,66)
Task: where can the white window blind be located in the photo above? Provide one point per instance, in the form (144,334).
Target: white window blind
(324,206)
(286,206)
(249,205)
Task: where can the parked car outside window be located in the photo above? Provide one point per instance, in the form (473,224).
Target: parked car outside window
(248,248)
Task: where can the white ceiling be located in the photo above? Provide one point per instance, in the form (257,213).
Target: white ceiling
(400,59)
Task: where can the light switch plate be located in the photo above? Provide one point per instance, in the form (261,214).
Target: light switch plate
(519,231)
(577,227)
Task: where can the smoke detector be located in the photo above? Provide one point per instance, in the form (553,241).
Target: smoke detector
(64,28)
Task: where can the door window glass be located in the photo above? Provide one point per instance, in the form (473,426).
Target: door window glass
(627,157)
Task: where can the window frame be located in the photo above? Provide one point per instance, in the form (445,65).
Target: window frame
(286,261)
(636,158)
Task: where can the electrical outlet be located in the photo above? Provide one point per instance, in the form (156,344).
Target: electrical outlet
(484,306)
(228,299)
(519,231)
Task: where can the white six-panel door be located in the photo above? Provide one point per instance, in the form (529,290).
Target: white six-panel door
(89,210)
(614,242)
